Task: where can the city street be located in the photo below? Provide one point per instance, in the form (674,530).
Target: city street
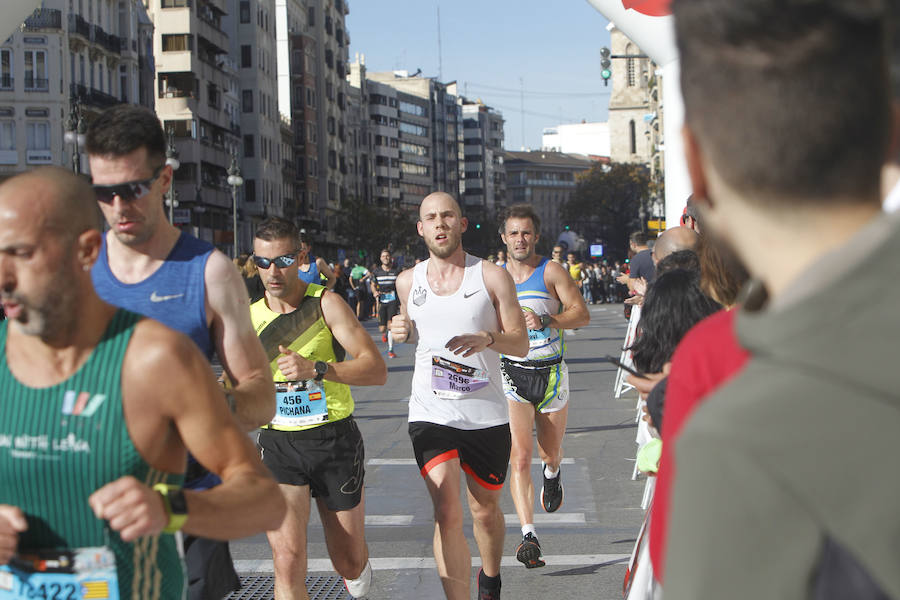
(585,543)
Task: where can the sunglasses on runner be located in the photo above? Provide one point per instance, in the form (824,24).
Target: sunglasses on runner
(285,260)
(128,191)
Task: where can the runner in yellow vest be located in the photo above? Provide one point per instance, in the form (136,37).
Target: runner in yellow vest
(313,446)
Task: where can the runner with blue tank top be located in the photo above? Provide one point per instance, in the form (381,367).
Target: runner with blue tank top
(150,267)
(314,269)
(100,406)
(537,384)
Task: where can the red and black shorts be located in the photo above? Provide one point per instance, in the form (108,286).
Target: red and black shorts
(482,453)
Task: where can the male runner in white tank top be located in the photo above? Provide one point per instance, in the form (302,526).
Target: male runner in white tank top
(463,312)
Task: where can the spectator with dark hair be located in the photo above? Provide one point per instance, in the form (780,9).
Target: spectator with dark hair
(674,304)
(683,259)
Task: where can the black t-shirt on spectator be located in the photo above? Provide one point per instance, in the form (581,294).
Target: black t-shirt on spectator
(642,266)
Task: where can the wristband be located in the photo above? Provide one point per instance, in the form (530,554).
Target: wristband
(174,504)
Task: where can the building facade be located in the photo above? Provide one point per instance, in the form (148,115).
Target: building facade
(546,180)
(69,59)
(483,188)
(633,79)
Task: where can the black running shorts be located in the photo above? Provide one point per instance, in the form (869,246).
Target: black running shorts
(482,453)
(387,311)
(329,459)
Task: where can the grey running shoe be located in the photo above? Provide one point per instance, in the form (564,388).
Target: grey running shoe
(529,552)
(552,492)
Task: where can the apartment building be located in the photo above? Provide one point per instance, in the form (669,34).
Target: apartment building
(546,180)
(483,188)
(197,101)
(69,59)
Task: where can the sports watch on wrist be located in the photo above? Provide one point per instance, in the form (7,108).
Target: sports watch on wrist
(175,505)
(321,368)
(545,321)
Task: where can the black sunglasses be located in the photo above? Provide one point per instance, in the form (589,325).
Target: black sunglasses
(128,191)
(285,260)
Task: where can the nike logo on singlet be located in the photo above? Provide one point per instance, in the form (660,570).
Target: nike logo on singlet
(154,297)
(469,294)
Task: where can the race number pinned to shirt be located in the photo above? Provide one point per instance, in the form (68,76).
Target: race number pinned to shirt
(79,574)
(299,403)
(538,337)
(386,297)
(452,380)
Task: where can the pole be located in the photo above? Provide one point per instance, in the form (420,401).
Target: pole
(234,219)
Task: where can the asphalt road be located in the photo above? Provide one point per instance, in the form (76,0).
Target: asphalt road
(585,543)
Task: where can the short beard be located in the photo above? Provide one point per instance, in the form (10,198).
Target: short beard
(444,252)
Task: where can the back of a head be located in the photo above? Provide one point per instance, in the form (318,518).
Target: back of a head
(722,275)
(672,240)
(787,98)
(124,128)
(638,238)
(681,259)
(674,303)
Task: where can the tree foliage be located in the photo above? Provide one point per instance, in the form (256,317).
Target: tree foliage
(607,205)
(363,226)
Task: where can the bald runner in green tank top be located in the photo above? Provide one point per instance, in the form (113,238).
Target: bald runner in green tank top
(59,444)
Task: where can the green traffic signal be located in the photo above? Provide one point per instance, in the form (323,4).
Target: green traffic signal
(605,73)
(477,225)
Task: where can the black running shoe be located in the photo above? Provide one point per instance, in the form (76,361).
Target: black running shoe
(529,552)
(552,492)
(485,591)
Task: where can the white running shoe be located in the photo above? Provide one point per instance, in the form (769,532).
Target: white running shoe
(359,587)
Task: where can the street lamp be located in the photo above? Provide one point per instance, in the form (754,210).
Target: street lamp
(75,129)
(234,180)
(172,161)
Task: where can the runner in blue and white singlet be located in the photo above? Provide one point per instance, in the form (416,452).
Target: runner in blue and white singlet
(537,384)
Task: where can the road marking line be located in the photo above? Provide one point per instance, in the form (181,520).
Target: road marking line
(511,520)
(405,462)
(388,519)
(547,519)
(323,565)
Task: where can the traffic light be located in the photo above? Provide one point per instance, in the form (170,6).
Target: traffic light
(605,65)
(568,228)
(477,225)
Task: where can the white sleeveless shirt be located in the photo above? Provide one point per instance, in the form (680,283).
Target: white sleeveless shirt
(447,389)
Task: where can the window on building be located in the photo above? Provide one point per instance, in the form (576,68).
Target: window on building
(245,11)
(311,16)
(330,125)
(6,69)
(413,129)
(249,190)
(249,150)
(332,159)
(246,56)
(7,135)
(313,133)
(177,42)
(313,167)
(247,101)
(310,97)
(412,108)
(630,73)
(38,135)
(632,136)
(36,70)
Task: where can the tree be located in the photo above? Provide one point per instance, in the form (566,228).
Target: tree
(368,227)
(608,204)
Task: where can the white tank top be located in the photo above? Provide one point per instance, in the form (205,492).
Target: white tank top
(447,389)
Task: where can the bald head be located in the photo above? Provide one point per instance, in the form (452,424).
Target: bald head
(64,201)
(438,200)
(674,240)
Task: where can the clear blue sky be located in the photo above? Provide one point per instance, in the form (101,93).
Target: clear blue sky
(553,46)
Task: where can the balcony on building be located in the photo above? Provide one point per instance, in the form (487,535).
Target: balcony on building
(44,19)
(92,97)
